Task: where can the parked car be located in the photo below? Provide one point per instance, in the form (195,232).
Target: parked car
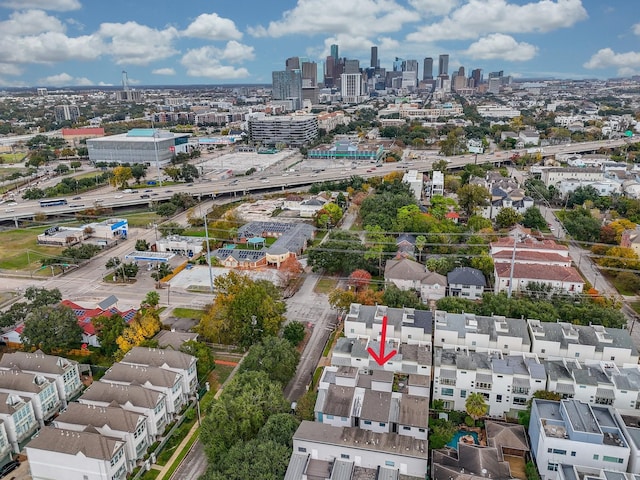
(9,467)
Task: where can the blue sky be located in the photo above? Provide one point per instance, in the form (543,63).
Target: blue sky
(163,42)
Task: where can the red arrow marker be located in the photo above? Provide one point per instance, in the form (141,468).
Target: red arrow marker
(381,358)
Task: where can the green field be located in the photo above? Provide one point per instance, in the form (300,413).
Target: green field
(188,313)
(12,157)
(19,249)
(325,285)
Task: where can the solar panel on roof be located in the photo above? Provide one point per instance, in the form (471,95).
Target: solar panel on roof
(78,312)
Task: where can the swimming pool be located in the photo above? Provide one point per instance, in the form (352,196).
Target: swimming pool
(459,434)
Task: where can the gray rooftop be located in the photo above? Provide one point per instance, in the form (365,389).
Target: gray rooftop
(174,340)
(414,411)
(36,362)
(376,406)
(158,357)
(19,381)
(469,461)
(338,401)
(10,403)
(122,394)
(137,375)
(115,418)
(466,276)
(297,465)
(354,437)
(490,326)
(398,317)
(91,445)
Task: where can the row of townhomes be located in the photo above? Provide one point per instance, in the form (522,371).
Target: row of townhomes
(372,418)
(101,433)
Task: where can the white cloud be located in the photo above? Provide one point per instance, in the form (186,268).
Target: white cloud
(211,26)
(434,7)
(501,46)
(480,17)
(237,52)
(63,80)
(627,63)
(205,62)
(636,29)
(49,48)
(30,22)
(134,44)
(58,5)
(10,69)
(360,18)
(164,71)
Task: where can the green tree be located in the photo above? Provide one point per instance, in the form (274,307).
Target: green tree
(142,245)
(306,405)
(121,176)
(108,329)
(171,228)
(152,299)
(138,172)
(440,165)
(61,169)
(421,242)
(129,270)
(328,216)
(40,297)
(441,432)
(470,197)
(266,460)
(204,354)
(533,218)
(164,270)
(294,332)
(340,253)
(395,298)
(51,328)
(280,429)
(275,356)
(166,209)
(189,172)
(243,311)
(243,408)
(507,217)
(476,405)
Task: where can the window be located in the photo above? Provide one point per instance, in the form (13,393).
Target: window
(389,463)
(596,456)
(406,428)
(577,354)
(473,343)
(463,394)
(543,350)
(302,449)
(344,455)
(552,467)
(421,430)
(612,459)
(447,392)
(519,401)
(559,452)
(383,424)
(613,358)
(573,454)
(329,417)
(367,422)
(499,398)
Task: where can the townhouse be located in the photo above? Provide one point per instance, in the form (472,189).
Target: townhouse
(40,390)
(19,419)
(111,422)
(571,431)
(167,359)
(133,398)
(161,380)
(63,372)
(57,454)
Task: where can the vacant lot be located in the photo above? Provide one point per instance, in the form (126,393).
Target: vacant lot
(19,249)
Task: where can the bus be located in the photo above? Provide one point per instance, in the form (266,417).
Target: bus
(53,203)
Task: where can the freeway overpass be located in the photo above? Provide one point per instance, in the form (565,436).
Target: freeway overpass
(239,186)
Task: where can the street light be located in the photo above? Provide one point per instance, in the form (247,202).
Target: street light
(156,135)
(206,236)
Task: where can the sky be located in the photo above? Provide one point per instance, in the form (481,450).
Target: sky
(56,43)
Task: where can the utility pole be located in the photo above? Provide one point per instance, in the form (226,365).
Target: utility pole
(513,264)
(206,236)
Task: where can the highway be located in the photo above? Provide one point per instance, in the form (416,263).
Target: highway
(269,182)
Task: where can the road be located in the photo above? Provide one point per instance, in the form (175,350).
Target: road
(272,180)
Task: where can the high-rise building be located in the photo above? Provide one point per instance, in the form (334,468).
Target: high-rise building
(287,85)
(443,65)
(410,66)
(310,72)
(329,71)
(460,80)
(397,64)
(427,71)
(293,63)
(499,74)
(476,74)
(494,84)
(351,87)
(66,113)
(351,66)
(374,57)
(334,52)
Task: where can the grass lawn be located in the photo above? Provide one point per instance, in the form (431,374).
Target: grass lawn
(325,285)
(142,219)
(219,375)
(19,249)
(635,306)
(150,475)
(12,157)
(188,313)
(619,286)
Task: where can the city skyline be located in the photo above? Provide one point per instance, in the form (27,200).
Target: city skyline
(80,43)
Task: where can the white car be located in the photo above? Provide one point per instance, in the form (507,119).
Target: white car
(118,196)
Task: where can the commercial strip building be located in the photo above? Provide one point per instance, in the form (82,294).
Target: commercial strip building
(348,151)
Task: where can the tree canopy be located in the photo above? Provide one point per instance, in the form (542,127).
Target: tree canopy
(243,311)
(275,356)
(51,328)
